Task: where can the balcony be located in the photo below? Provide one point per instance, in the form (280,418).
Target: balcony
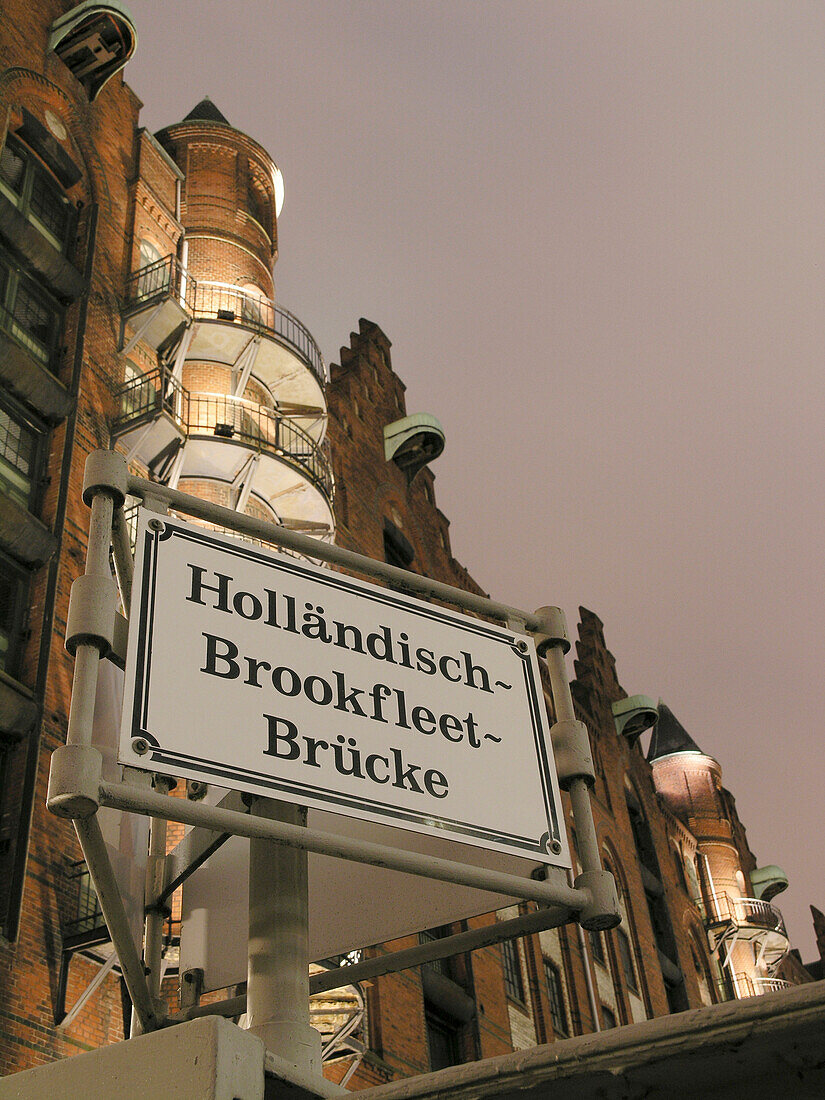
(159,301)
(769,985)
(750,920)
(153,416)
(253,335)
(293,473)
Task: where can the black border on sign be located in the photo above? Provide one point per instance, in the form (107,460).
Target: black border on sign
(225,774)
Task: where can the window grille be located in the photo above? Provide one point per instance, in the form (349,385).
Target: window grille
(513,980)
(12,610)
(597,944)
(441,966)
(18,453)
(27,314)
(35,193)
(555,995)
(443,1040)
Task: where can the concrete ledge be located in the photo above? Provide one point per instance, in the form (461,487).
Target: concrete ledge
(23,535)
(31,382)
(206,1059)
(18,709)
(755,1048)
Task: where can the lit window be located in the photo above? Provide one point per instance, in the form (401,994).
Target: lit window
(27,314)
(513,980)
(12,609)
(555,995)
(154,271)
(19,451)
(37,195)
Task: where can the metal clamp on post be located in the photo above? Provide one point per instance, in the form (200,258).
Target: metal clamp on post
(551,630)
(105,472)
(92,610)
(602,911)
(74,781)
(571,750)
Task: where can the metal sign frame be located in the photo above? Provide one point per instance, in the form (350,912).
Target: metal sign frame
(278,988)
(496,679)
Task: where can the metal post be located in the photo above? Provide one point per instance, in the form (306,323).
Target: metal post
(122,553)
(156,909)
(277,1003)
(111,904)
(577,788)
(87,656)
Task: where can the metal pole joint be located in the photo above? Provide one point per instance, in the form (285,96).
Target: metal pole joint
(74,781)
(92,610)
(602,911)
(571,750)
(550,630)
(105,472)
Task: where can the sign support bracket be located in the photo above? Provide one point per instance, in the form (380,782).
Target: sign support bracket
(278,980)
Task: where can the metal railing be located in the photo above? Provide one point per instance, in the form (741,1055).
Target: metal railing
(220,302)
(264,429)
(144,397)
(770,985)
(165,278)
(88,916)
(745,911)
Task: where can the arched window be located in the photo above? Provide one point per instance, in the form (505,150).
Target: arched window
(30,186)
(679,863)
(703,974)
(625,954)
(153,274)
(656,904)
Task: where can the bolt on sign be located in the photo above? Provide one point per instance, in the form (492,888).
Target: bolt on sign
(259,672)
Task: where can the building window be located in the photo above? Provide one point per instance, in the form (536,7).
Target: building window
(154,273)
(513,980)
(443,1040)
(13,592)
(37,195)
(398,550)
(19,456)
(441,966)
(27,314)
(627,959)
(341,503)
(608,1018)
(597,945)
(555,995)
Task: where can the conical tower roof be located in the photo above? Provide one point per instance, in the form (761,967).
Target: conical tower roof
(206,111)
(669,735)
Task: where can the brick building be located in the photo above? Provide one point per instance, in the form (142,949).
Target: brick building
(138,312)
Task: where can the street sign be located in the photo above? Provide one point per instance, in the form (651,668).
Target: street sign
(259,672)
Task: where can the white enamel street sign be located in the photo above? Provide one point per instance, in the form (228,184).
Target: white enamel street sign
(259,672)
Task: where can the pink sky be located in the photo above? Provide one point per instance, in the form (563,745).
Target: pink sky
(594,234)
